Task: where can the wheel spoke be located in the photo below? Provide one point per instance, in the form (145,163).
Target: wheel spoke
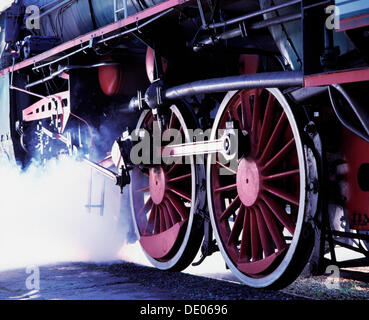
(237,227)
(226,188)
(275,135)
(280,156)
(148,123)
(172,213)
(273,228)
(282,194)
(178,138)
(282,175)
(174,167)
(231,208)
(171,121)
(266,240)
(246,110)
(279,213)
(143,189)
(256,250)
(181,178)
(162,219)
(256,114)
(145,208)
(150,221)
(245,249)
(225,167)
(180,193)
(167,219)
(181,209)
(157,221)
(267,123)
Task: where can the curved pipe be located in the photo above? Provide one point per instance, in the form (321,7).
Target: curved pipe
(248,81)
(360,113)
(156,93)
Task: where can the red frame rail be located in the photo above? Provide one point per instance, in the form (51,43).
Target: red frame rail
(339,77)
(147,13)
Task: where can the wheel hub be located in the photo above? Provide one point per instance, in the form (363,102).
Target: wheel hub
(157,183)
(248,181)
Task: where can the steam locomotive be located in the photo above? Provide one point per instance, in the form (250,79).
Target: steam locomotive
(237,125)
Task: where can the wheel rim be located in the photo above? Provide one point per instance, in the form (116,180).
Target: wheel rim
(162,202)
(257,211)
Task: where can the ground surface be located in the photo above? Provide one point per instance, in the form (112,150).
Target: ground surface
(128,281)
(133,278)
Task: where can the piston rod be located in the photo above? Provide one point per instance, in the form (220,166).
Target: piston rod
(221,145)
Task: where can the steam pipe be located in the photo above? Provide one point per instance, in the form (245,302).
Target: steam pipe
(274,21)
(248,81)
(239,32)
(253,15)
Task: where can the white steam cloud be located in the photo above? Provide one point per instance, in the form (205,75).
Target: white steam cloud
(5,4)
(44,219)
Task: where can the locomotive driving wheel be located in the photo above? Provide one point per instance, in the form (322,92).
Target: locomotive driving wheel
(257,209)
(163,200)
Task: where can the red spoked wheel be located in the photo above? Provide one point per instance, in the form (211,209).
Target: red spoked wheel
(163,200)
(257,208)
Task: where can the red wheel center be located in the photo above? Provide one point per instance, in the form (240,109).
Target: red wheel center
(157,183)
(248,182)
